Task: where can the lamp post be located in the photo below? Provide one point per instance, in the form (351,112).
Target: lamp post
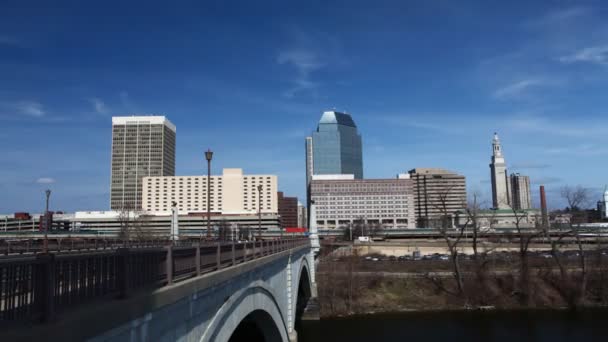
(47,192)
(208,156)
(260,212)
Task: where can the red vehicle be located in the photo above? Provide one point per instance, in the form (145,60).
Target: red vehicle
(295,230)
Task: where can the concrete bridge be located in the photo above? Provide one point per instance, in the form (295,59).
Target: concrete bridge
(227,292)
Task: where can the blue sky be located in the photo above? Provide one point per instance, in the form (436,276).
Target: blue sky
(427,82)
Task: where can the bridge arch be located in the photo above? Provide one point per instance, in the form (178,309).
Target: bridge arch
(303,290)
(257,326)
(254,309)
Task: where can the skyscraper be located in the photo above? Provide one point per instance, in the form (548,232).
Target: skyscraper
(520,192)
(141,146)
(498,171)
(309,160)
(335,147)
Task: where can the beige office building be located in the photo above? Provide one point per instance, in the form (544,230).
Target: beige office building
(341,200)
(231,193)
(438,193)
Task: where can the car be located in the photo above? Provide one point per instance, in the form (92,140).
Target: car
(392,258)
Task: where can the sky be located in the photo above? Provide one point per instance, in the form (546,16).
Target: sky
(427,83)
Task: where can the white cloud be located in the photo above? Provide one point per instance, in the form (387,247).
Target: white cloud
(45,180)
(529,165)
(558,17)
(305,63)
(30,108)
(522,88)
(545,180)
(581,128)
(595,54)
(99,105)
(578,150)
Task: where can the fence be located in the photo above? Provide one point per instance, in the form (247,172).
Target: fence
(40,287)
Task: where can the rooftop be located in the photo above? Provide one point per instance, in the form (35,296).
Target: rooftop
(143,119)
(333,117)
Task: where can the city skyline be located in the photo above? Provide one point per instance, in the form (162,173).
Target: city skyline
(67,71)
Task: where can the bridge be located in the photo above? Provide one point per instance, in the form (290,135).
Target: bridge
(189,291)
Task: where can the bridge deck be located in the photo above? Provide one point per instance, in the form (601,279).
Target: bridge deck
(44,287)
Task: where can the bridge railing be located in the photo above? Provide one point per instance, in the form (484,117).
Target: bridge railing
(39,287)
(31,246)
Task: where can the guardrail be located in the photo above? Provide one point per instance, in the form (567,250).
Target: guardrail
(40,287)
(35,246)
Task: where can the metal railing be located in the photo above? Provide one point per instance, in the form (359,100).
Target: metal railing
(35,246)
(39,287)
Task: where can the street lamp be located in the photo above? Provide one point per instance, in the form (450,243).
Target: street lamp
(208,156)
(47,192)
(260,212)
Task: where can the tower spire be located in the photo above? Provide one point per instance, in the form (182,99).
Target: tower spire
(498,171)
(496,149)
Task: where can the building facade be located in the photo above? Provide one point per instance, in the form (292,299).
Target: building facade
(501,197)
(231,193)
(302,216)
(335,147)
(288,210)
(309,160)
(342,200)
(158,225)
(520,192)
(142,146)
(501,218)
(438,195)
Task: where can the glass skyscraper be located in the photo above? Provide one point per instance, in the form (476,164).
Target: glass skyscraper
(335,147)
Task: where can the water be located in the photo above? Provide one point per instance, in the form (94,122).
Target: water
(511,326)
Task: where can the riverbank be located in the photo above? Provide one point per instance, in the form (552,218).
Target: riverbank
(347,289)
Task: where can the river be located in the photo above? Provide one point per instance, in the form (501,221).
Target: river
(511,326)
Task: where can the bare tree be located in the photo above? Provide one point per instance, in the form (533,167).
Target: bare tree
(572,286)
(224,230)
(524,238)
(452,238)
(141,226)
(576,197)
(125,219)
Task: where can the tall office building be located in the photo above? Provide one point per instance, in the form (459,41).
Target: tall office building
(288,210)
(309,160)
(335,147)
(141,146)
(501,197)
(438,193)
(520,192)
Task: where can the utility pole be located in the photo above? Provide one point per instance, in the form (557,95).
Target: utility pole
(208,156)
(260,212)
(47,192)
